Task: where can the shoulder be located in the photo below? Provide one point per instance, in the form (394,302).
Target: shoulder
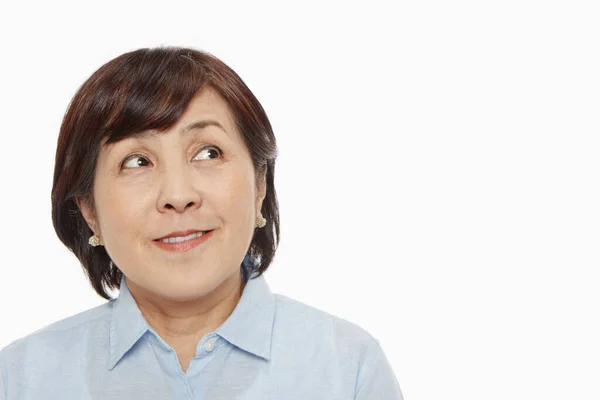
(338,353)
(58,337)
(292,312)
(340,350)
(323,331)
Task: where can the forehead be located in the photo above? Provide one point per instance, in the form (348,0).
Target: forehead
(206,110)
(207,104)
(208,100)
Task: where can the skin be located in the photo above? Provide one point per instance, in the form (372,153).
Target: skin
(175,183)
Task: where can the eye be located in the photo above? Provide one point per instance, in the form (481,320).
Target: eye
(138,160)
(135,160)
(210,150)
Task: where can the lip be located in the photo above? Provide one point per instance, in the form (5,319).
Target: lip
(183,246)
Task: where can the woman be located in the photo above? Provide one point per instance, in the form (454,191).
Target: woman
(164,189)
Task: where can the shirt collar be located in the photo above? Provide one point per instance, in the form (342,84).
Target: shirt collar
(249,326)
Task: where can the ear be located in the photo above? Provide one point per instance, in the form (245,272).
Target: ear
(261,191)
(88,214)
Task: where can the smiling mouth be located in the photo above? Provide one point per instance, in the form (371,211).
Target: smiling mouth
(183,244)
(181,239)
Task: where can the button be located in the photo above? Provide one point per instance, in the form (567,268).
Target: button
(208,346)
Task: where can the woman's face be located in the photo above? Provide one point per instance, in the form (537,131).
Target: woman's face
(149,186)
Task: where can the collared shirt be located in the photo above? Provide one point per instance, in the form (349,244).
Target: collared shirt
(270,347)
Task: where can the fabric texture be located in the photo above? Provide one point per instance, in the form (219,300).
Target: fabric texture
(270,347)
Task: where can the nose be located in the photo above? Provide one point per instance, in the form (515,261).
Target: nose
(178,192)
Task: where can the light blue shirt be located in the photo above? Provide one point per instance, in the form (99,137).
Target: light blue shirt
(270,347)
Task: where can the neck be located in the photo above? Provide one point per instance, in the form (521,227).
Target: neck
(183,324)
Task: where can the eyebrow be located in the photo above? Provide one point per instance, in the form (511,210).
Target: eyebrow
(196,125)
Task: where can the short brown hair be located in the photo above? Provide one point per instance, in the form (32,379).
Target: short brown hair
(149,89)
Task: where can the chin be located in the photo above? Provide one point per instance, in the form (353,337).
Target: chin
(178,286)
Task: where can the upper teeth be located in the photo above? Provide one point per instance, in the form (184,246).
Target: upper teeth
(176,239)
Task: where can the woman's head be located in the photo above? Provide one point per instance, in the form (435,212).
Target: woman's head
(158,141)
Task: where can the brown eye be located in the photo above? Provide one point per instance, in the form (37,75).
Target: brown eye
(135,161)
(210,150)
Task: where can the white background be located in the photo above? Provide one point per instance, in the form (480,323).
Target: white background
(437,174)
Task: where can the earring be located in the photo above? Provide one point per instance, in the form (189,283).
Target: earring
(260,221)
(94,240)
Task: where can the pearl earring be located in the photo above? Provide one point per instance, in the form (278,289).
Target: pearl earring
(94,240)
(260,221)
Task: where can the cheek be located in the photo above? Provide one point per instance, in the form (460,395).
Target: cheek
(124,209)
(235,195)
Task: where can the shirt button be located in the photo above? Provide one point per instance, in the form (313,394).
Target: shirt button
(208,346)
